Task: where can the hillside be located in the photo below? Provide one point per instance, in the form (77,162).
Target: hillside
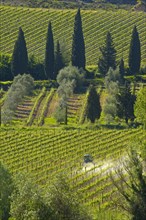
(95,25)
(44,153)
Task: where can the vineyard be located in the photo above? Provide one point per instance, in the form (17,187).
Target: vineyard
(44,153)
(34,23)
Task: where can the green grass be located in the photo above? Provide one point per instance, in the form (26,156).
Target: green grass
(34,23)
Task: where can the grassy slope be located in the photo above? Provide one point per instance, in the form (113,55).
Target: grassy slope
(95,25)
(46,152)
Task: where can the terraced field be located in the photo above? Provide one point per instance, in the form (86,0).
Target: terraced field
(47,152)
(95,25)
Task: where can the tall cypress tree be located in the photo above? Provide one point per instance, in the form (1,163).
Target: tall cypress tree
(58,59)
(78,47)
(19,63)
(93,105)
(122,70)
(134,52)
(49,54)
(108,58)
(125,106)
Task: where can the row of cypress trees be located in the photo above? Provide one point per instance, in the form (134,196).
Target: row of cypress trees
(108,58)
(54,61)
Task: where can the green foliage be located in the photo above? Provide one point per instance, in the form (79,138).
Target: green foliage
(59,64)
(108,58)
(134,53)
(69,80)
(78,47)
(93,105)
(19,62)
(6,188)
(27,201)
(126,104)
(112,81)
(36,68)
(140,106)
(22,86)
(49,54)
(122,70)
(65,202)
(133,187)
(60,112)
(71,75)
(5,67)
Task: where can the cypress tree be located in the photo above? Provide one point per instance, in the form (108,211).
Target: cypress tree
(122,70)
(108,58)
(134,53)
(78,47)
(58,59)
(125,105)
(19,63)
(93,105)
(49,54)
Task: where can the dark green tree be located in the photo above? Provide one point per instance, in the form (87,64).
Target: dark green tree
(122,70)
(93,105)
(126,104)
(19,63)
(132,186)
(27,201)
(78,47)
(58,59)
(65,202)
(134,53)
(6,188)
(108,58)
(49,54)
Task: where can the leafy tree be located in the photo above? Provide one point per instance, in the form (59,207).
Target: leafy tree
(5,67)
(58,59)
(93,105)
(22,86)
(134,52)
(72,75)
(27,201)
(140,106)
(19,63)
(69,80)
(64,201)
(112,81)
(126,104)
(6,188)
(78,47)
(36,68)
(132,187)
(108,58)
(65,52)
(49,54)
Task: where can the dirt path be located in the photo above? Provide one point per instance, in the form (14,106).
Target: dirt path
(53,105)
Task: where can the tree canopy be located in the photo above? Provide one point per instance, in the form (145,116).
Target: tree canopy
(108,58)
(78,47)
(19,63)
